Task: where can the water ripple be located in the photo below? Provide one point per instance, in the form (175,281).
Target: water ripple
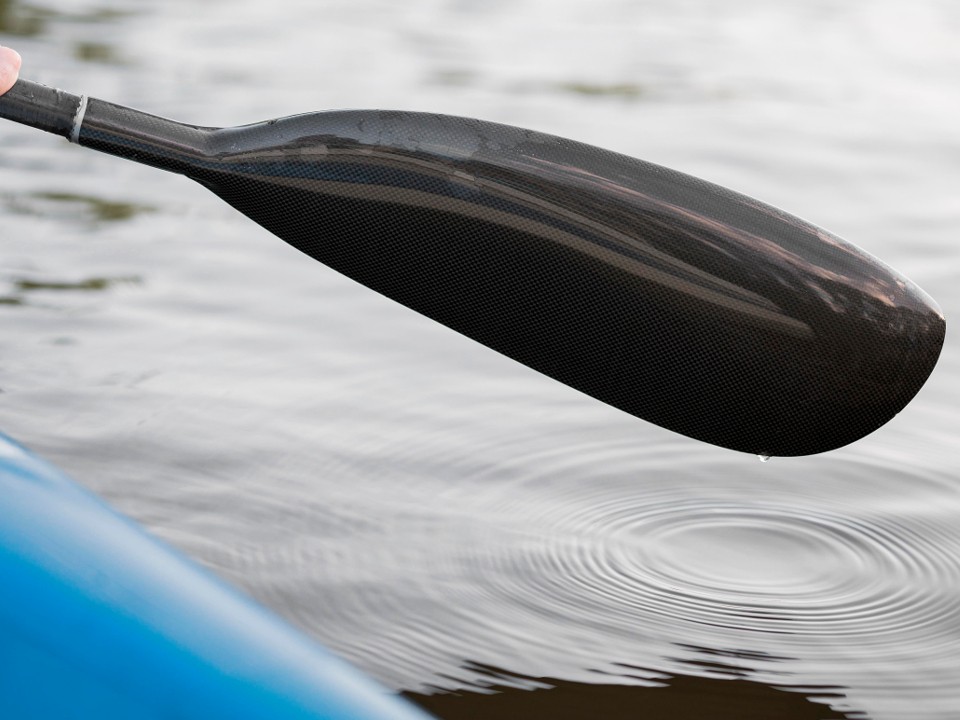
(420,505)
(820,572)
(754,566)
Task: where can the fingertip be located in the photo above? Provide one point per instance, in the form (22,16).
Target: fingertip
(10,62)
(11,57)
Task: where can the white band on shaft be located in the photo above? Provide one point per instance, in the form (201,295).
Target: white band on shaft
(78,120)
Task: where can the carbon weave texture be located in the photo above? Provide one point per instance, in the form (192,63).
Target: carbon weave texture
(673,299)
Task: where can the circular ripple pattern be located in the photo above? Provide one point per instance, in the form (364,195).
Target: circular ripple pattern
(751,566)
(838,571)
(564,554)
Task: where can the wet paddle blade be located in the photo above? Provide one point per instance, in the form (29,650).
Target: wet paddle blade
(673,299)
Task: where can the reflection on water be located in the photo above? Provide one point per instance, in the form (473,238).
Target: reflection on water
(454,78)
(508,696)
(627,91)
(74,206)
(17,18)
(583,555)
(31,19)
(428,509)
(22,286)
(88,284)
(97,52)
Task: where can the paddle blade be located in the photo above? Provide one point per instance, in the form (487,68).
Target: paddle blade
(675,300)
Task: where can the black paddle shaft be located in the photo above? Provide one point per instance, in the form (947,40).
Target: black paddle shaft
(676,300)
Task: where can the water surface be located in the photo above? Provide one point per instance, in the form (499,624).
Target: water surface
(467,531)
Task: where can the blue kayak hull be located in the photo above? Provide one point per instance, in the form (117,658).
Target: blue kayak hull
(100,620)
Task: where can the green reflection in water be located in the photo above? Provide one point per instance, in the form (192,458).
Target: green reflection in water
(97,52)
(627,91)
(28,20)
(94,208)
(23,286)
(90,284)
(23,20)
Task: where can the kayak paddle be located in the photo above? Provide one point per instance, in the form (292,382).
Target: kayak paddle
(676,300)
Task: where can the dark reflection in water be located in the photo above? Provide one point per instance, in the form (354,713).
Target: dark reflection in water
(679,698)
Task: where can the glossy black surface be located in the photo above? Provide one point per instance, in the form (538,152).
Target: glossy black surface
(39,106)
(678,301)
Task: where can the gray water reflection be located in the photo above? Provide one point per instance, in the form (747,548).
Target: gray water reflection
(420,504)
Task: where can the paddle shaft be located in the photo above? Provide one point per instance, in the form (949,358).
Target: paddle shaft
(109,128)
(41,107)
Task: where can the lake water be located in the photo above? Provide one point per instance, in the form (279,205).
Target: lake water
(463,529)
